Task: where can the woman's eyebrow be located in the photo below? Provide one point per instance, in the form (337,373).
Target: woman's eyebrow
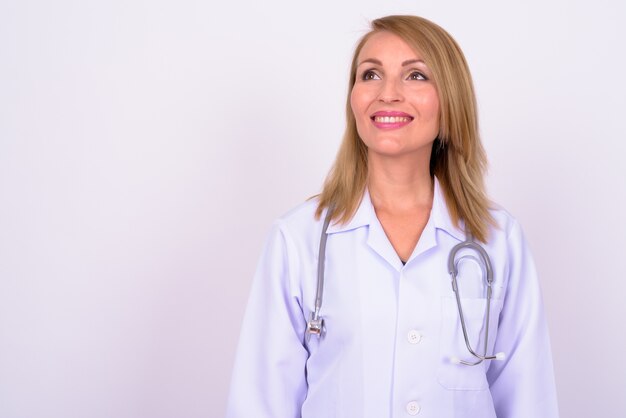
(370,60)
(413,61)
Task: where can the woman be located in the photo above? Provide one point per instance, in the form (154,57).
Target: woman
(406,188)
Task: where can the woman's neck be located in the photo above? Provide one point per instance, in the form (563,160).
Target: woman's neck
(399,184)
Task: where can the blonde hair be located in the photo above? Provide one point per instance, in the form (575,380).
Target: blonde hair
(458,158)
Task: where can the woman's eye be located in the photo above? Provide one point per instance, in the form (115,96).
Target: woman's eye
(416,75)
(370,75)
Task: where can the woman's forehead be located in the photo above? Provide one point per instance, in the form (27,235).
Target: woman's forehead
(384,44)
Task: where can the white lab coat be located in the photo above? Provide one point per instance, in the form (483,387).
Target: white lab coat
(390,329)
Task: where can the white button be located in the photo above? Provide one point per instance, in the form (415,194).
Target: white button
(414,337)
(413,408)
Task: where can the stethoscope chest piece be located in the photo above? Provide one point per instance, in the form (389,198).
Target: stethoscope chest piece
(315,326)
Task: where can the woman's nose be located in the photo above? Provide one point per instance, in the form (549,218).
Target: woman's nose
(390,91)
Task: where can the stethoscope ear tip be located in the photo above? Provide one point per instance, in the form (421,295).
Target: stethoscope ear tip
(455,360)
(500,356)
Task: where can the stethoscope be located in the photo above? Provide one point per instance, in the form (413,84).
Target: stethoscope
(315,326)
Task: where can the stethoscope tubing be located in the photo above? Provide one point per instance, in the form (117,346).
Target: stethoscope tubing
(487,271)
(316,324)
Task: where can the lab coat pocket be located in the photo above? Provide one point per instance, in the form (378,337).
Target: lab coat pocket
(452,342)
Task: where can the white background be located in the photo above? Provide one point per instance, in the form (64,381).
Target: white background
(146,147)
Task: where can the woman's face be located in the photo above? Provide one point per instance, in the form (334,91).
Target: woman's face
(394,98)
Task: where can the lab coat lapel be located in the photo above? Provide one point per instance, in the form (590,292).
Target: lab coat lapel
(438,219)
(376,238)
(427,240)
(440,216)
(378,241)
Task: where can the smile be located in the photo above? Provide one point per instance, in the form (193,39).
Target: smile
(391,120)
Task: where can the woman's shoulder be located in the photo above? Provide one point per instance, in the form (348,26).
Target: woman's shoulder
(506,224)
(301,221)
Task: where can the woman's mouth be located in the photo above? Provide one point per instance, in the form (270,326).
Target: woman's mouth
(391,120)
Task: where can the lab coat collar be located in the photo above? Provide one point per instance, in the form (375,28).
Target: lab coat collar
(439,216)
(363,216)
